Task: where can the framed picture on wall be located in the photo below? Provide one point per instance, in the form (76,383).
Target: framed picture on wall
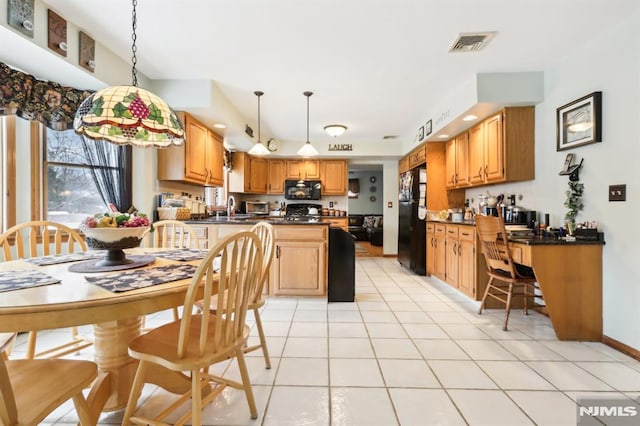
(427,128)
(420,134)
(579,122)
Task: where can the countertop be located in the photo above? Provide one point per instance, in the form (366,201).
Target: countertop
(534,240)
(252,220)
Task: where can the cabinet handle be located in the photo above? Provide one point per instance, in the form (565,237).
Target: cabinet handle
(453,248)
(480,172)
(459,252)
(453,178)
(277,252)
(486,174)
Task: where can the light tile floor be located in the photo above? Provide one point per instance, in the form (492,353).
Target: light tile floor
(410,351)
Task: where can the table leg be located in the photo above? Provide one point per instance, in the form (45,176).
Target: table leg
(112,356)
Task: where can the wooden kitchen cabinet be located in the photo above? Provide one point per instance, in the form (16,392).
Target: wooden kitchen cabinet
(500,149)
(457,161)
(451,255)
(440,267)
(249,174)
(417,157)
(300,262)
(403,164)
(333,174)
(277,173)
(476,154)
(431,248)
(198,160)
(466,260)
(303,169)
(337,222)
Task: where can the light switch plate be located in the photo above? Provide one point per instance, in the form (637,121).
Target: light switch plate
(617,192)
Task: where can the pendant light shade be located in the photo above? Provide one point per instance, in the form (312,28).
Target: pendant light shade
(129,115)
(307,150)
(259,148)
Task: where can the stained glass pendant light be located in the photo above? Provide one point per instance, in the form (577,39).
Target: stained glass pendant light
(129,115)
(259,148)
(307,150)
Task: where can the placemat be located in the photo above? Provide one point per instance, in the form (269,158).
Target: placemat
(184,255)
(138,260)
(65,258)
(142,278)
(17,280)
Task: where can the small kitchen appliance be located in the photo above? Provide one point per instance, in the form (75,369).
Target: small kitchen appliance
(255,207)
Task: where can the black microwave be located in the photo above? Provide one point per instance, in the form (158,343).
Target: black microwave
(302,189)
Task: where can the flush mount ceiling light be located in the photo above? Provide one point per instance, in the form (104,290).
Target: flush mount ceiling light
(307,150)
(129,115)
(335,130)
(258,148)
(443,136)
(220,126)
(470,117)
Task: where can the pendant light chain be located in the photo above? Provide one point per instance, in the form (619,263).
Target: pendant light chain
(134,49)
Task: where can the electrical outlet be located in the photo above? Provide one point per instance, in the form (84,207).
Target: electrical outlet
(330,204)
(389,204)
(617,192)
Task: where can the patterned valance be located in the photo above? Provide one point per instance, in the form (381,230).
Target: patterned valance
(50,103)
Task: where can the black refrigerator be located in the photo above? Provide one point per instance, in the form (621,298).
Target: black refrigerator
(411,229)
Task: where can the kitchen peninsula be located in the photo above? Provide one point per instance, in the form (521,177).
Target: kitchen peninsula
(300,263)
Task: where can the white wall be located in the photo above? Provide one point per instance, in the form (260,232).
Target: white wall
(606,65)
(363,204)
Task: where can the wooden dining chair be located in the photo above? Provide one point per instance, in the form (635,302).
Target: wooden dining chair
(505,275)
(30,389)
(197,341)
(173,234)
(44,238)
(264,231)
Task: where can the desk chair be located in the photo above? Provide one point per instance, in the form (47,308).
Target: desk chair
(171,234)
(501,267)
(30,389)
(44,238)
(197,341)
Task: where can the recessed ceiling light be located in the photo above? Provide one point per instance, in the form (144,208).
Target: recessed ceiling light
(470,117)
(220,126)
(443,136)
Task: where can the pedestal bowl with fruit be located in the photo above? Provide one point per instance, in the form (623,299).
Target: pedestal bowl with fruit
(114,232)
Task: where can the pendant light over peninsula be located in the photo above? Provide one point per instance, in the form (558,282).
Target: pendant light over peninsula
(307,150)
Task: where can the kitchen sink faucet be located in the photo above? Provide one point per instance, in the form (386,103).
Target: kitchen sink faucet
(231,206)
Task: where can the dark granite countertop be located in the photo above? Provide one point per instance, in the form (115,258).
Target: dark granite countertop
(552,241)
(252,220)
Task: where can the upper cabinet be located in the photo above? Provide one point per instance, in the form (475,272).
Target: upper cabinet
(417,157)
(276,174)
(198,160)
(303,169)
(333,174)
(249,174)
(499,149)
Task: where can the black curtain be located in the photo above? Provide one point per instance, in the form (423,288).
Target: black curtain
(111,171)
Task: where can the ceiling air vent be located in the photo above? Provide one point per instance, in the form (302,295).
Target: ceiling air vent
(472,42)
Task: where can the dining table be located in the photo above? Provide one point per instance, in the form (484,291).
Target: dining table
(77,298)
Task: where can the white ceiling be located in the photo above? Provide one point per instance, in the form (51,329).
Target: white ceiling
(375,66)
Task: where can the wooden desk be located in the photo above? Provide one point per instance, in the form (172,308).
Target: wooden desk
(570,278)
(116,318)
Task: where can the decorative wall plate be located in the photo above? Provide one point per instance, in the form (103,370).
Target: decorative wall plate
(21,13)
(87,52)
(57,33)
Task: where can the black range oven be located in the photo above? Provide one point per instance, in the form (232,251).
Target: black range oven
(302,189)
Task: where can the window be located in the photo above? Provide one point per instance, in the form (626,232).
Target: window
(70,191)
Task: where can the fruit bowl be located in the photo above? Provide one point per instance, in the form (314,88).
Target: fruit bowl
(110,238)
(114,232)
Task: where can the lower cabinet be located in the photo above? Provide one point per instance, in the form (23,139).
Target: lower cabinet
(453,257)
(300,262)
